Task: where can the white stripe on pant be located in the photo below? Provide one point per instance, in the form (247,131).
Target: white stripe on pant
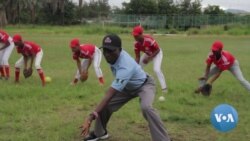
(97,57)
(5,54)
(157,60)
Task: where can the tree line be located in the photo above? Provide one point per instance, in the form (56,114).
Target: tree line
(65,12)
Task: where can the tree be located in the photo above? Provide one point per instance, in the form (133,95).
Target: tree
(141,7)
(3,19)
(188,7)
(166,7)
(53,12)
(80,2)
(213,10)
(12,9)
(93,9)
(195,8)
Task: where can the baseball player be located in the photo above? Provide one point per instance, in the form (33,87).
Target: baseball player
(222,60)
(89,53)
(30,52)
(152,52)
(130,82)
(5,52)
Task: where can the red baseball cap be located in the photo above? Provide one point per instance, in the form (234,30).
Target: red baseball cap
(138,30)
(217,45)
(17,38)
(74,43)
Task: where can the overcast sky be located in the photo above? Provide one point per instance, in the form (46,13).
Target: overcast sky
(232,4)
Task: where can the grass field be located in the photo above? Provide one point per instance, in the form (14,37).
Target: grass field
(29,112)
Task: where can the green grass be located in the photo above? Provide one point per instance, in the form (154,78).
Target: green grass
(31,113)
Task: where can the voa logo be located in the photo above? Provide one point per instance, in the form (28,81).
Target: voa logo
(224,117)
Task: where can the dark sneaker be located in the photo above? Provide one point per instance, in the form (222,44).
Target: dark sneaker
(93,137)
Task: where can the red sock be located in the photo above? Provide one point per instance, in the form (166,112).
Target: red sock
(17,73)
(101,80)
(7,71)
(42,77)
(1,71)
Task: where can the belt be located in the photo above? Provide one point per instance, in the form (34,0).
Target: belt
(140,86)
(144,81)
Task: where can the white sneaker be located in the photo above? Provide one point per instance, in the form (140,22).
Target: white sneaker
(93,137)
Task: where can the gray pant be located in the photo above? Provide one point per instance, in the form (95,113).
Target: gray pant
(235,70)
(146,94)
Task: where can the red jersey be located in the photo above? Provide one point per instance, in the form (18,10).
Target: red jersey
(86,51)
(224,63)
(3,36)
(148,46)
(28,48)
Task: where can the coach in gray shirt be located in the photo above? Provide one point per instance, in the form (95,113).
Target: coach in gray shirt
(130,81)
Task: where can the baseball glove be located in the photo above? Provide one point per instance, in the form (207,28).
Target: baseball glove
(84,76)
(27,72)
(206,89)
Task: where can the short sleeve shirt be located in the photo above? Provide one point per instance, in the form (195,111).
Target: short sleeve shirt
(3,36)
(148,46)
(29,48)
(224,63)
(86,51)
(128,74)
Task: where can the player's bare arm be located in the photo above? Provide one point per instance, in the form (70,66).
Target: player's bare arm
(86,125)
(78,63)
(25,58)
(32,57)
(206,72)
(89,63)
(211,80)
(137,57)
(5,45)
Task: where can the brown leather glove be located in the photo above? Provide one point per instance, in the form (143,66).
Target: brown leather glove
(27,72)
(84,76)
(206,89)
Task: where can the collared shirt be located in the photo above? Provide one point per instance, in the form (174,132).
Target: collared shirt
(28,48)
(4,37)
(128,74)
(224,63)
(148,46)
(86,51)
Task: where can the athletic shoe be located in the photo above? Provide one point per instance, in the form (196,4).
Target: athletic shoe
(93,137)
(165,90)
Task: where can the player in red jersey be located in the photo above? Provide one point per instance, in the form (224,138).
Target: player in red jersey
(5,52)
(222,60)
(88,53)
(152,52)
(30,52)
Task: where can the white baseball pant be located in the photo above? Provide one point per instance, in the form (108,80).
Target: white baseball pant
(157,60)
(97,57)
(38,60)
(5,53)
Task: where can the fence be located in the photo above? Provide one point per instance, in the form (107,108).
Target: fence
(176,21)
